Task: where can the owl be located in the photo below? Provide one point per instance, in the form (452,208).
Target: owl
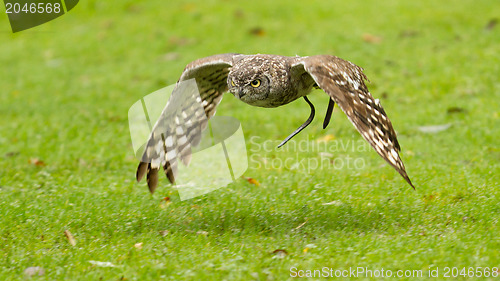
(265,81)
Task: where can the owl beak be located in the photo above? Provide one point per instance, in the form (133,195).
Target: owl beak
(240,94)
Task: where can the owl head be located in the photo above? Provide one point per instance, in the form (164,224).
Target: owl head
(255,79)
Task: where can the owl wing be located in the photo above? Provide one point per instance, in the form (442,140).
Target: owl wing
(185,116)
(344,82)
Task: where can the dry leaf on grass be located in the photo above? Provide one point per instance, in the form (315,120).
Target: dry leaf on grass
(434,128)
(253,181)
(138,246)
(326,155)
(239,14)
(34,270)
(308,247)
(455,109)
(164,232)
(370,38)
(165,202)
(408,33)
(491,24)
(37,162)
(335,203)
(70,237)
(102,264)
(280,253)
(180,41)
(11,154)
(302,224)
(171,56)
(325,138)
(257,31)
(202,232)
(199,232)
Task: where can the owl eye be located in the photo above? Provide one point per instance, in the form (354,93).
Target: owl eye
(255,83)
(232,83)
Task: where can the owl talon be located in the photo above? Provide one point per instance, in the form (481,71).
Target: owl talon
(328,115)
(308,121)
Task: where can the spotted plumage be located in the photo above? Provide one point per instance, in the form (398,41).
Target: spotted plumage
(266,81)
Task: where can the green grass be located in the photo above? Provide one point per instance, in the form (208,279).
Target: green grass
(66,87)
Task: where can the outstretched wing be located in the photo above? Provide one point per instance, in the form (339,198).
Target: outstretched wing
(185,116)
(344,82)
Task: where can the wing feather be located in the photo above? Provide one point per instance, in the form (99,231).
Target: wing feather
(179,127)
(344,82)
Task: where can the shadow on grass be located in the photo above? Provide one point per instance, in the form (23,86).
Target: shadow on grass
(306,219)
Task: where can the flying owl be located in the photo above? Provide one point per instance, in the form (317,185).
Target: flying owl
(266,81)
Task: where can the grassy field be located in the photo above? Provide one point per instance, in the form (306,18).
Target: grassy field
(66,159)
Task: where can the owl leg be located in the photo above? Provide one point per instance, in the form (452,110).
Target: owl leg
(328,115)
(308,121)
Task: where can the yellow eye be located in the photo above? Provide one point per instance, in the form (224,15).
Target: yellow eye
(255,83)
(232,83)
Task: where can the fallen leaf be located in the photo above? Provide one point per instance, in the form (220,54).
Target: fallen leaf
(107,24)
(335,203)
(132,8)
(455,109)
(34,270)
(189,7)
(370,38)
(37,162)
(170,56)
(428,198)
(179,41)
(464,219)
(11,154)
(252,181)
(70,237)
(102,264)
(164,232)
(165,202)
(434,128)
(324,155)
(257,31)
(280,253)
(302,224)
(409,153)
(202,232)
(491,24)
(138,246)
(325,138)
(239,14)
(408,33)
(308,247)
